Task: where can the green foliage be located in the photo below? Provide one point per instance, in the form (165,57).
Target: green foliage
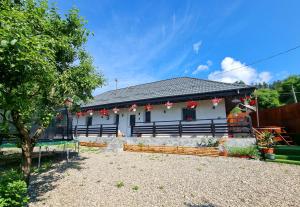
(119,184)
(210,142)
(267,98)
(42,62)
(44,167)
(236,110)
(13,189)
(135,188)
(285,88)
(266,139)
(140,144)
(243,151)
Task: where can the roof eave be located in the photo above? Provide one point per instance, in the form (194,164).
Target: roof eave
(179,98)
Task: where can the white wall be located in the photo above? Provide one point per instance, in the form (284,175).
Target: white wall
(203,111)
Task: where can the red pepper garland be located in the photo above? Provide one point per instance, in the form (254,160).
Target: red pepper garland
(248,100)
(216,101)
(191,104)
(90,112)
(169,105)
(116,110)
(148,107)
(133,108)
(104,112)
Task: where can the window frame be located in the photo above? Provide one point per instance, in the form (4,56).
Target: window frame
(192,114)
(147,115)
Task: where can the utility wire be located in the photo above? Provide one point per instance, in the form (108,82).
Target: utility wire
(260,60)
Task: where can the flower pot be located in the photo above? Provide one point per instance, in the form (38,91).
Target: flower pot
(267,150)
(270,156)
(224,153)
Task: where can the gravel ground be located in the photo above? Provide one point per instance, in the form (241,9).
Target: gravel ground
(166,180)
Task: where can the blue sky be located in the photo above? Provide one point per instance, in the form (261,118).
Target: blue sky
(143,41)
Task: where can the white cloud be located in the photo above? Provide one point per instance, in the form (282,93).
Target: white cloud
(202,67)
(233,70)
(196,46)
(264,76)
(209,63)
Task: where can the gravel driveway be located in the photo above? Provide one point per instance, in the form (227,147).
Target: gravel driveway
(141,179)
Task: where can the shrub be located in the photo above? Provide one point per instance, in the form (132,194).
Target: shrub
(120,184)
(243,151)
(13,189)
(135,188)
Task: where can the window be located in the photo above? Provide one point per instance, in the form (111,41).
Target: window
(148,116)
(188,114)
(89,120)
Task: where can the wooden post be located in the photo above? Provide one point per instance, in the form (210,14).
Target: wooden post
(117,129)
(212,128)
(76,131)
(257,112)
(68,155)
(154,130)
(87,131)
(250,126)
(40,155)
(180,129)
(101,130)
(131,130)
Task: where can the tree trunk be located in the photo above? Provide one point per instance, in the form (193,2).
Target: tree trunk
(27,149)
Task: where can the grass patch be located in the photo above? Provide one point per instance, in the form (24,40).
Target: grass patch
(161,187)
(135,188)
(293,162)
(44,167)
(89,149)
(243,151)
(120,184)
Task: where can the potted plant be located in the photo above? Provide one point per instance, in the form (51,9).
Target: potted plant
(267,142)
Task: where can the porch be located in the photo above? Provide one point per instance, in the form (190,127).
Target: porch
(233,127)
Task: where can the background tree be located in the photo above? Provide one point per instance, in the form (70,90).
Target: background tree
(42,62)
(285,89)
(267,98)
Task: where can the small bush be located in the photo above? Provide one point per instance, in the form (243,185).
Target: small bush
(13,189)
(141,144)
(120,184)
(135,188)
(243,151)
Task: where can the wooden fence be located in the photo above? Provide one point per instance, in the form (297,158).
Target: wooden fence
(287,116)
(211,127)
(200,151)
(95,130)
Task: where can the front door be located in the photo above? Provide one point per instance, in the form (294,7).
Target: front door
(132,120)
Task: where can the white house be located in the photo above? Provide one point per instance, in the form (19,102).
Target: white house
(173,107)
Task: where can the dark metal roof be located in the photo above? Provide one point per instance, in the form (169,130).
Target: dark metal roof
(175,87)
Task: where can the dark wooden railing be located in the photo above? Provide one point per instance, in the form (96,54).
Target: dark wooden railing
(96,130)
(213,127)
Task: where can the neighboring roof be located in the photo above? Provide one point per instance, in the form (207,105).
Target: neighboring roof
(165,88)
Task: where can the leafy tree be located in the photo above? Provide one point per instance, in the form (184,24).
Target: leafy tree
(240,82)
(42,62)
(267,98)
(285,89)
